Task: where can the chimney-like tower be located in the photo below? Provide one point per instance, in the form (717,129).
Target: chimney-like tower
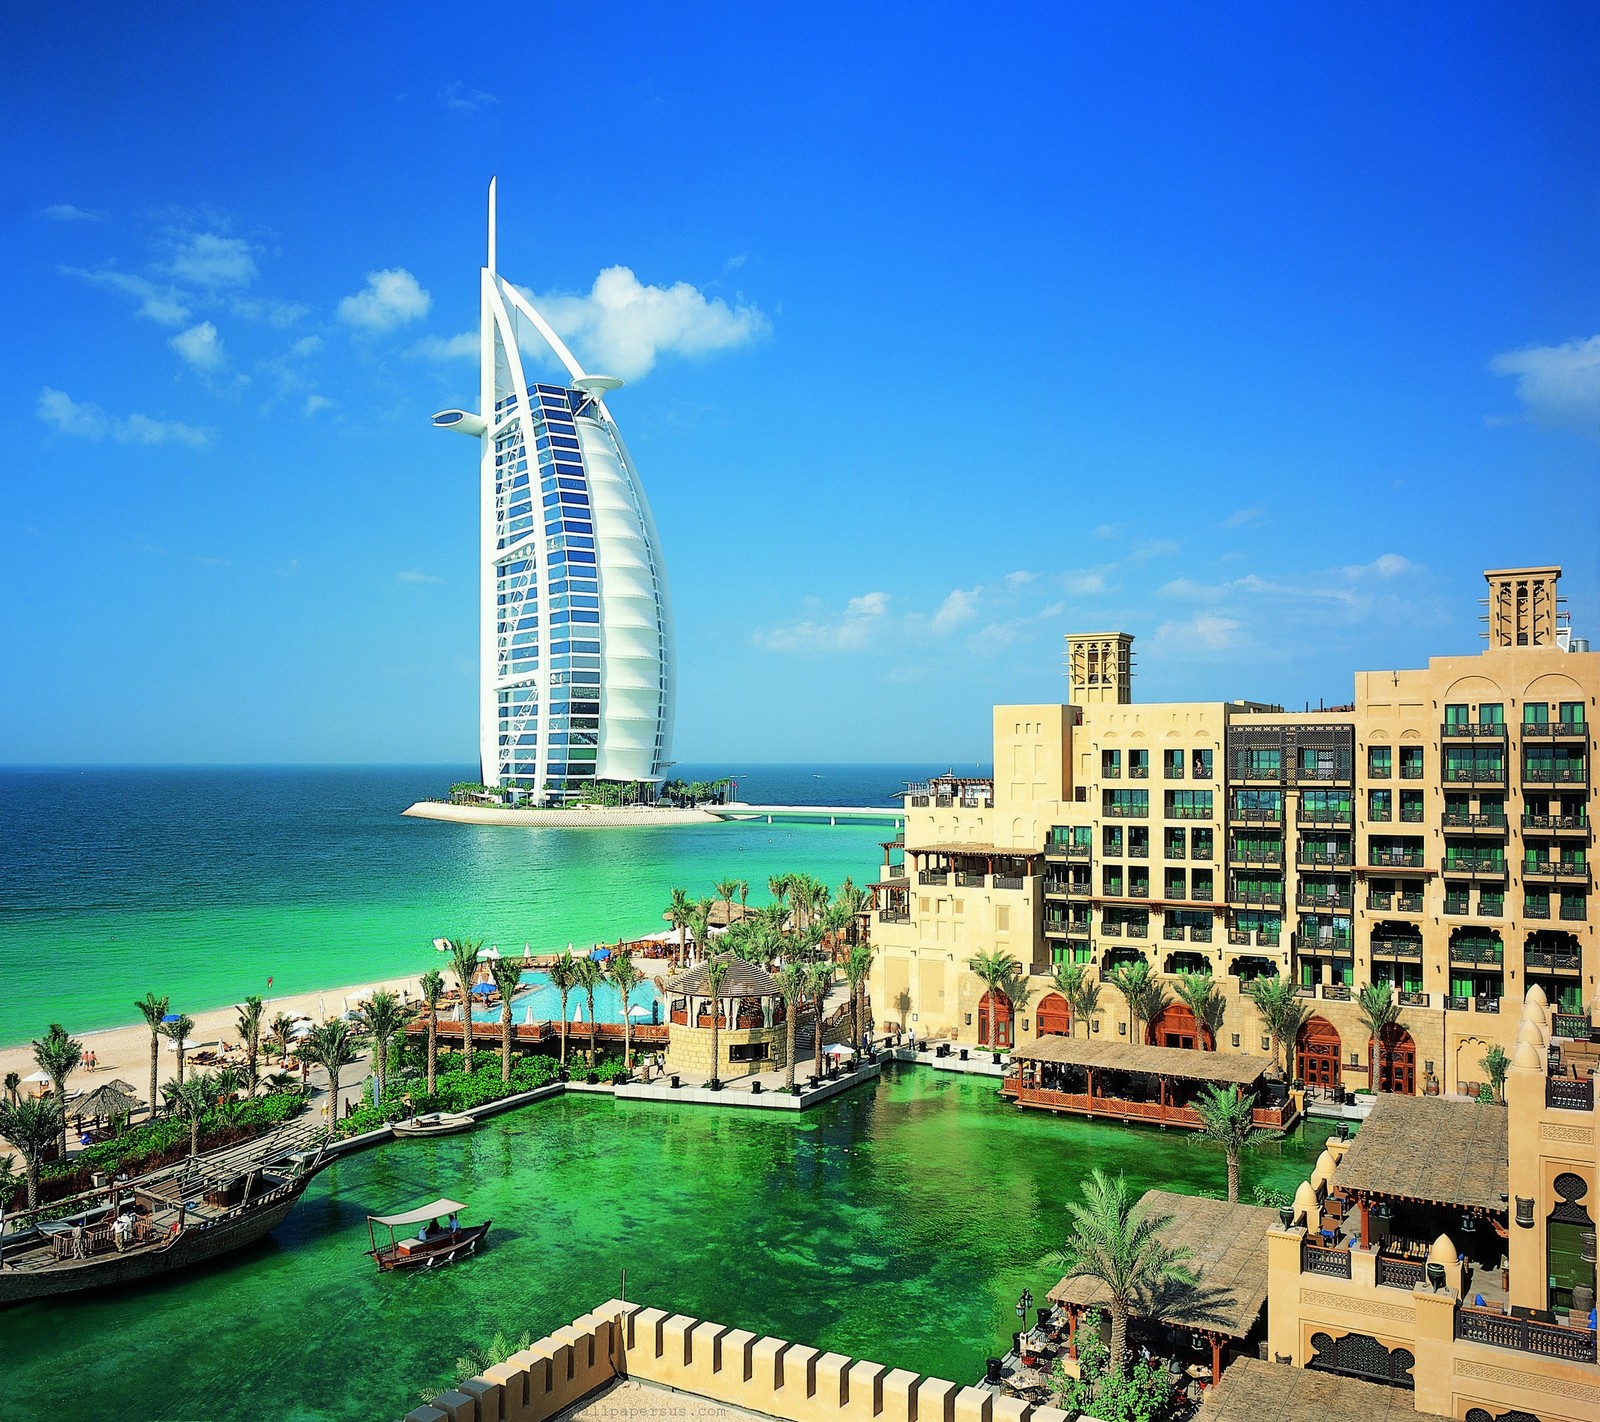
(1524,608)
(1100,668)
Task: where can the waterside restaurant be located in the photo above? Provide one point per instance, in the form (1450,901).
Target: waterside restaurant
(1125,1081)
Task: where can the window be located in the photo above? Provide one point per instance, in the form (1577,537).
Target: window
(1262,762)
(1138,842)
(1457,715)
(1200,844)
(1491,713)
(1174,846)
(1111,880)
(1111,765)
(1572,713)
(1126,804)
(1380,805)
(1411,762)
(1200,886)
(1535,713)
(1111,840)
(1411,807)
(1201,765)
(1174,884)
(1380,762)
(1138,883)
(1188,805)
(1172,764)
(1265,806)
(1138,765)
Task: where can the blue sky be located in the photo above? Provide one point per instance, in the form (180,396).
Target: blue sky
(1257,334)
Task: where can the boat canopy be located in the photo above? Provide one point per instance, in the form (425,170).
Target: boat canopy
(420,1216)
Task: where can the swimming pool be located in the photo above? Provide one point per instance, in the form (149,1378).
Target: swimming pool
(537,1001)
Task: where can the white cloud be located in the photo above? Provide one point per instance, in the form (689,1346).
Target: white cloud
(315,403)
(413,575)
(464,100)
(306,345)
(622,326)
(210,260)
(1084,582)
(280,315)
(1245,518)
(65,415)
(1558,385)
(70,212)
(201,347)
(847,633)
(391,298)
(959,607)
(165,305)
(461,347)
(1385,565)
(1208,630)
(1106,530)
(1018,579)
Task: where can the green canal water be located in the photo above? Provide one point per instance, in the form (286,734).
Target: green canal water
(897,1223)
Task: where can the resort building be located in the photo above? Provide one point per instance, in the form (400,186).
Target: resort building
(1449,1248)
(575,640)
(1432,834)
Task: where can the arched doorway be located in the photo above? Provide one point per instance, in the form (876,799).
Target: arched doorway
(1174,1026)
(994,1021)
(1316,1056)
(1054,1016)
(1397,1062)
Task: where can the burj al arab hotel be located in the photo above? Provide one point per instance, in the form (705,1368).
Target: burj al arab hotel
(575,650)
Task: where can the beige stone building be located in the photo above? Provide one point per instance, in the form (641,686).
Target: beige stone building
(1433,834)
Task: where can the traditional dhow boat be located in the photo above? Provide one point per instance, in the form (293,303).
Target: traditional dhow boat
(433,1245)
(434,1123)
(179,1215)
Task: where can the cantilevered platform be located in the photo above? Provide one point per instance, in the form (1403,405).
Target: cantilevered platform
(833,814)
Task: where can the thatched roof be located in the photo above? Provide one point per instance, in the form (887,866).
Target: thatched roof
(115,1098)
(1228,1257)
(1225,1068)
(743,980)
(1253,1391)
(1425,1148)
(721,915)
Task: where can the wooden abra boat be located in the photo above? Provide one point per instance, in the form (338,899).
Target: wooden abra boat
(166,1220)
(430,1247)
(434,1123)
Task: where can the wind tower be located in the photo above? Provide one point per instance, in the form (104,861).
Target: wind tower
(1525,609)
(576,674)
(1100,668)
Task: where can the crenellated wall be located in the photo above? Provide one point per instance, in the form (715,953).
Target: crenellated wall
(709,1360)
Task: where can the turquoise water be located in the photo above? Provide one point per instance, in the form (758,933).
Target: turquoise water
(203,883)
(898,1223)
(542,1003)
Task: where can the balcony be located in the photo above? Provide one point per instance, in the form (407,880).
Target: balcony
(1336,992)
(1555,731)
(1572,1025)
(1525,1335)
(1457,1004)
(1331,1263)
(1577,913)
(1309,898)
(1326,818)
(1555,775)
(1566,871)
(1466,820)
(1110,928)
(1057,888)
(1412,999)
(893,916)
(1324,858)
(1188,812)
(1258,897)
(1241,816)
(929,876)
(1554,824)
(1474,775)
(1394,1273)
(1486,1004)
(1395,858)
(1125,812)
(1490,955)
(1256,856)
(1473,731)
(1006,881)
(1411,814)
(1458,903)
(1537,959)
(1411,771)
(1138,772)
(1322,947)
(1065,850)
(1397,948)
(1408,903)
(1535,908)
(965,879)
(1565,1093)
(1489,866)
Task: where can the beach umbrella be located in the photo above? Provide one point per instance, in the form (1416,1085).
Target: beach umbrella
(599,953)
(482,989)
(838,1049)
(171,1017)
(115,1098)
(184,1046)
(493,955)
(577,1012)
(441,945)
(638,1010)
(302,1028)
(527,1018)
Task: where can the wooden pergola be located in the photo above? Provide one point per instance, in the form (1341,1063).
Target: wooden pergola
(1227,1247)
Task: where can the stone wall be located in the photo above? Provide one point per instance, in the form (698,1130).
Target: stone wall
(689,1050)
(709,1360)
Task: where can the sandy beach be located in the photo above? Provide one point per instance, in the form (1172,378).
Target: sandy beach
(596,818)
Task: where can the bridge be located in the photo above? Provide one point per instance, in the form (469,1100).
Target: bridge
(812,814)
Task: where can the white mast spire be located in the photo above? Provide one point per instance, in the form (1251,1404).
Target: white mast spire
(492,182)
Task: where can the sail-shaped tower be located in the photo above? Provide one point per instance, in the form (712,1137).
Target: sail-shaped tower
(575,648)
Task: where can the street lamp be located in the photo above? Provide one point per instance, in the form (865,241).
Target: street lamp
(1023,1305)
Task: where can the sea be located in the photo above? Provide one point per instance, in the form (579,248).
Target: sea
(207,883)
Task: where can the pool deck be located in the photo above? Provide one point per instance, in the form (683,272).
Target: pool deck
(771,1097)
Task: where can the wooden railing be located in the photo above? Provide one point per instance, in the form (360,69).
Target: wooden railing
(1400,1273)
(1565,1093)
(1314,1259)
(1115,1106)
(1526,1335)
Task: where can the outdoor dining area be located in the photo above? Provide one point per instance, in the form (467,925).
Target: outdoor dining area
(1132,1082)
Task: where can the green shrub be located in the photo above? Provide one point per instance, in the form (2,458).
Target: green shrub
(610,1069)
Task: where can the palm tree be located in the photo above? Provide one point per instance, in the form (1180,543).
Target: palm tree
(33,1127)
(59,1055)
(464,954)
(678,917)
(1496,1064)
(1227,1119)
(996,969)
(1379,1012)
(1082,993)
(744,894)
(563,975)
(250,1021)
(725,889)
(382,1018)
(1198,992)
(850,901)
(1282,1014)
(1140,990)
(13,1087)
(282,1024)
(332,1046)
(589,978)
(778,886)
(793,980)
(507,979)
(819,979)
(153,1009)
(178,1031)
(189,1101)
(1118,1242)
(716,975)
(625,976)
(857,968)
(432,985)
